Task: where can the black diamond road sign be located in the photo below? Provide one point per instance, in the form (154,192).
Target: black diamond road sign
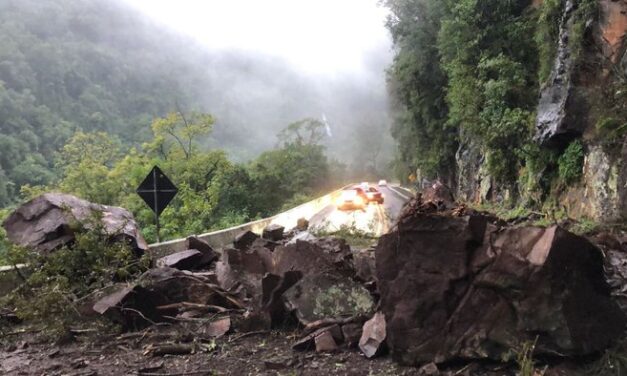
(157,190)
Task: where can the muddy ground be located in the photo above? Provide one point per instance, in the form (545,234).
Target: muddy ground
(263,353)
(256,353)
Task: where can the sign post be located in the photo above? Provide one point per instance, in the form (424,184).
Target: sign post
(157,190)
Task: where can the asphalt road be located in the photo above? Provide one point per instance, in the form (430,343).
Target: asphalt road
(375,219)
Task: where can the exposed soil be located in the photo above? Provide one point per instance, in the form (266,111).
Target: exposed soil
(255,353)
(235,354)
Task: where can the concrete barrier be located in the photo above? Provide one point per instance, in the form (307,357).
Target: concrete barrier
(221,238)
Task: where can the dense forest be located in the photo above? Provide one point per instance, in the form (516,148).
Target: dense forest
(99,66)
(93,94)
(466,80)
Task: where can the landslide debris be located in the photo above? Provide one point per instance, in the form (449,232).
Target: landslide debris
(446,290)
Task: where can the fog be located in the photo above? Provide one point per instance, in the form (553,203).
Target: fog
(269,63)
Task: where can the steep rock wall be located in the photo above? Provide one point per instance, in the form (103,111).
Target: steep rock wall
(602,192)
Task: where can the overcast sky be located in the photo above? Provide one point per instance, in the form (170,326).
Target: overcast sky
(315,36)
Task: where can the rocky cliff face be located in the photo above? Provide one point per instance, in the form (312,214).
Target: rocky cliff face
(571,103)
(551,124)
(602,193)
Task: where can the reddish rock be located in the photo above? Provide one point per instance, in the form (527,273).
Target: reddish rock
(159,293)
(372,340)
(308,342)
(274,287)
(365,265)
(218,328)
(450,289)
(243,271)
(325,342)
(439,194)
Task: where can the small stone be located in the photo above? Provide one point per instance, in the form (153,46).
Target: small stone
(244,240)
(185,260)
(325,342)
(219,327)
(273,232)
(373,336)
(430,369)
(302,224)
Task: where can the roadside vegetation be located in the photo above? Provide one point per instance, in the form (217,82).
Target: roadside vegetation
(214,192)
(57,287)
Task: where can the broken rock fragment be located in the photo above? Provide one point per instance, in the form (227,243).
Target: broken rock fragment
(308,342)
(244,240)
(311,257)
(243,271)
(372,340)
(218,328)
(325,342)
(273,232)
(209,255)
(185,260)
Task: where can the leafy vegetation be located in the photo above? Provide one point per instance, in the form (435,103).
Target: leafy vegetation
(214,192)
(57,283)
(571,163)
(466,76)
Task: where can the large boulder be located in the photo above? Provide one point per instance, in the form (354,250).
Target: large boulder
(327,296)
(315,256)
(50,221)
(456,288)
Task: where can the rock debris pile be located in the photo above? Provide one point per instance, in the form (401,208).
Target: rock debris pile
(446,285)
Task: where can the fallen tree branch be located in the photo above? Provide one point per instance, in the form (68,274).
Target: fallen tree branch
(190,306)
(170,349)
(313,326)
(200,372)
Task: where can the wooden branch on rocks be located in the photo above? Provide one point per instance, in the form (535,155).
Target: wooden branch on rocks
(199,372)
(313,326)
(170,349)
(186,306)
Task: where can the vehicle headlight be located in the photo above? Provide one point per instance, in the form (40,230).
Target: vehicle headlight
(359,200)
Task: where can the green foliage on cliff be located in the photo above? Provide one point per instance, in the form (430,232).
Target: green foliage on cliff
(468,72)
(571,163)
(463,67)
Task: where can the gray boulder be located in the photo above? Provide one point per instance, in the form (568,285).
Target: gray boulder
(50,221)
